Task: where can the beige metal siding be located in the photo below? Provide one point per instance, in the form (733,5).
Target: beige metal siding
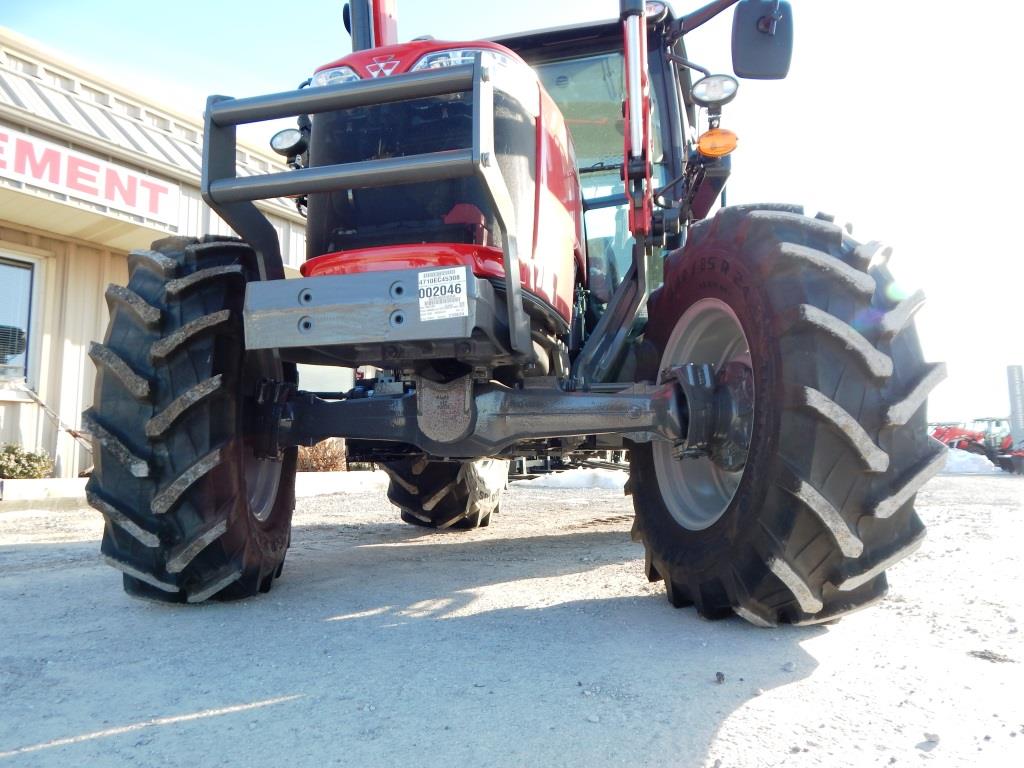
(80,246)
(71,312)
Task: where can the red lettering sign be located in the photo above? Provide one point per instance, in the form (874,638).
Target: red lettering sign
(116,187)
(82,175)
(40,163)
(44,165)
(155,190)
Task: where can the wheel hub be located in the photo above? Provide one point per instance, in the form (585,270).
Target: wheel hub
(699,476)
(734,416)
(720,411)
(261,457)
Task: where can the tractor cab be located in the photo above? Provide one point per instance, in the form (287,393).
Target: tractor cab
(582,68)
(588,91)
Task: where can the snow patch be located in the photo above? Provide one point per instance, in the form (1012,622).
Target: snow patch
(966,463)
(609,479)
(322,483)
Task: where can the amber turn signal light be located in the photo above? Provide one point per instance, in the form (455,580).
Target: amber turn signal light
(718,142)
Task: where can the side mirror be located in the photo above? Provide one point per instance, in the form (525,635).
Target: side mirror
(346,16)
(762,39)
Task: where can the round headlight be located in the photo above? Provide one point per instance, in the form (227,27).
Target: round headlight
(655,10)
(715,90)
(289,142)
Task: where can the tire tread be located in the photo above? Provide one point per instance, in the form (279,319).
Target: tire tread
(183,529)
(837,504)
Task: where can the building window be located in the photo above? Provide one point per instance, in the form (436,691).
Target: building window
(96,96)
(188,134)
(126,108)
(22,66)
(158,122)
(58,80)
(15,313)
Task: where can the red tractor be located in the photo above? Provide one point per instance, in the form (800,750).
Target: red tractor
(518,235)
(988,437)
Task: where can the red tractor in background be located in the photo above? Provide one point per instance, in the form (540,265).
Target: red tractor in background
(515,233)
(988,437)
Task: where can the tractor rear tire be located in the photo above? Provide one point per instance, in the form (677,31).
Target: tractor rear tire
(190,512)
(447,494)
(838,443)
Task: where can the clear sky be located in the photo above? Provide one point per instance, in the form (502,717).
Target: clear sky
(902,117)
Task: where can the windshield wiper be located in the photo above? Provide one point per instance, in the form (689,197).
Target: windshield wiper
(601,166)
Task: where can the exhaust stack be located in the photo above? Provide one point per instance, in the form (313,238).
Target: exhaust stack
(1015,379)
(374,23)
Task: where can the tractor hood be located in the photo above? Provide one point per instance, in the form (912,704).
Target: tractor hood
(398,59)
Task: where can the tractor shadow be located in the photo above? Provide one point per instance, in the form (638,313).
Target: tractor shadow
(385,644)
(537,643)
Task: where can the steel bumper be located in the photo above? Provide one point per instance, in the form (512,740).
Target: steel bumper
(366,309)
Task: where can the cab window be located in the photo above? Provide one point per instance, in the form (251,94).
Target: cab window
(589,91)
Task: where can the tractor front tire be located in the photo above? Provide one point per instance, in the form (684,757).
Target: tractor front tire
(447,494)
(191,513)
(838,445)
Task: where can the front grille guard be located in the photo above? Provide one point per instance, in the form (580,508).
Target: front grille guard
(232,197)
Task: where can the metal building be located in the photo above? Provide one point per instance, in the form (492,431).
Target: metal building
(88,171)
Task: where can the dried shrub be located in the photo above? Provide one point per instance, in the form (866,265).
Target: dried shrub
(325,456)
(18,464)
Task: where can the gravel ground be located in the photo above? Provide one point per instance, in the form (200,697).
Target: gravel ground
(534,642)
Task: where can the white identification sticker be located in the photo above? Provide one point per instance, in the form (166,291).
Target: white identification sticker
(443,294)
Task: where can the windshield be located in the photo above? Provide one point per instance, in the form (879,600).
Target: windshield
(589,91)
(995,427)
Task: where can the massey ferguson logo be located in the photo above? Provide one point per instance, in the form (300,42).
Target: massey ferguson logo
(382,66)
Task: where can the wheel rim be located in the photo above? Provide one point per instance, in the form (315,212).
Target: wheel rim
(697,491)
(262,476)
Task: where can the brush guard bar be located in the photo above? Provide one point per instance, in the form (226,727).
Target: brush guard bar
(232,197)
